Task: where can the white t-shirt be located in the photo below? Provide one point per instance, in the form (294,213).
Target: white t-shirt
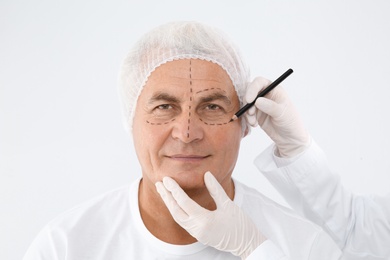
(110,227)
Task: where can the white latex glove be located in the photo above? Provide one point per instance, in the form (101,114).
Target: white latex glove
(278,117)
(227,228)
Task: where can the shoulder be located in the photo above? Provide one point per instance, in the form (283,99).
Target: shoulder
(102,208)
(84,226)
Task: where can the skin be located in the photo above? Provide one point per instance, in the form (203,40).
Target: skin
(181,130)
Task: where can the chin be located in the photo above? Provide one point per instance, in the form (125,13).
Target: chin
(190,180)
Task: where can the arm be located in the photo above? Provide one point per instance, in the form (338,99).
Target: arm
(360,225)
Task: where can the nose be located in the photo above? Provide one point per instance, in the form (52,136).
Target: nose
(187,128)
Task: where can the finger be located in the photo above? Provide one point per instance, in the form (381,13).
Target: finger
(269,107)
(254,88)
(251,111)
(215,189)
(189,206)
(252,120)
(176,211)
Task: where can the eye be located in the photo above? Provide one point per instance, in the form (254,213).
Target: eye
(164,107)
(213,107)
(161,110)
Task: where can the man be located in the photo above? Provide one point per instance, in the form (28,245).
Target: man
(180,85)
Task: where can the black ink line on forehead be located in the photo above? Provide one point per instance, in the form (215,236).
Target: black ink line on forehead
(189,107)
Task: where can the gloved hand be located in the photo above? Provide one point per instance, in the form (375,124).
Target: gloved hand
(278,117)
(227,228)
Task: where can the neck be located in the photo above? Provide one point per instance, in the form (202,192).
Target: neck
(157,218)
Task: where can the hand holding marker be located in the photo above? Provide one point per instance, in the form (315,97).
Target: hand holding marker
(262,94)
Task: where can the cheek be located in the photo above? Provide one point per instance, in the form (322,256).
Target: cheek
(227,139)
(227,145)
(230,130)
(149,137)
(149,142)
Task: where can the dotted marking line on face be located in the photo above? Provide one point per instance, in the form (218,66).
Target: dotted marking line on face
(189,107)
(213,123)
(206,123)
(147,121)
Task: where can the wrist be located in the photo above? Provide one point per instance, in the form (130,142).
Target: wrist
(293,149)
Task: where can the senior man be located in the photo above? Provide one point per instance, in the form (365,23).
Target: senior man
(180,85)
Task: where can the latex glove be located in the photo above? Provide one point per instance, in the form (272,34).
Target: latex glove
(278,117)
(227,228)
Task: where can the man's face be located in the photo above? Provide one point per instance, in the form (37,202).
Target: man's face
(181,125)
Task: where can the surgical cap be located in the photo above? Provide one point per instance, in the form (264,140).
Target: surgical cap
(175,41)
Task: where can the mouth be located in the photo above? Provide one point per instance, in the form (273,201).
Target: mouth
(188,158)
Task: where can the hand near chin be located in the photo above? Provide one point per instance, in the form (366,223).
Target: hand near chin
(227,228)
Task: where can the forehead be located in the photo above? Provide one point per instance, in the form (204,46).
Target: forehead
(189,73)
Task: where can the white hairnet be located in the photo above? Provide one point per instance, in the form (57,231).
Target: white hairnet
(174,41)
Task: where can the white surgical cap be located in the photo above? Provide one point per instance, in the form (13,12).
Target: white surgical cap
(175,41)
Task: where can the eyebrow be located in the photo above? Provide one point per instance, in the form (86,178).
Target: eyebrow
(162,96)
(215,96)
(159,96)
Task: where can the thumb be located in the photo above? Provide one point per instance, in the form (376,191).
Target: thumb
(215,189)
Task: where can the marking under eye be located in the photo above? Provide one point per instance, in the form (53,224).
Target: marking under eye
(147,121)
(214,123)
(210,89)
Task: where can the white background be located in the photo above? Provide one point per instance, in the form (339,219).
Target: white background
(61,136)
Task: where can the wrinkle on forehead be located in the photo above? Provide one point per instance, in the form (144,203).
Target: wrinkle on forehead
(201,70)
